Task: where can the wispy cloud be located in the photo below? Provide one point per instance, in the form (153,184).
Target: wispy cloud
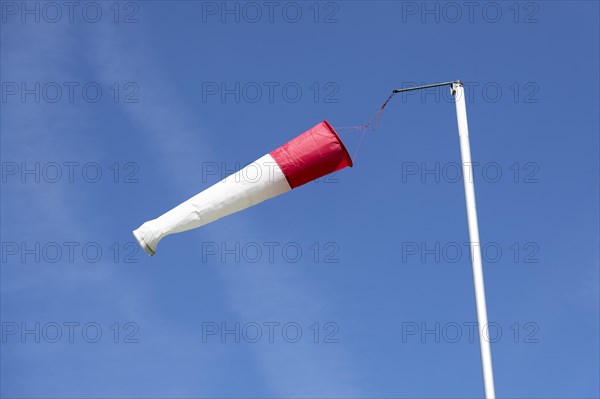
(38,132)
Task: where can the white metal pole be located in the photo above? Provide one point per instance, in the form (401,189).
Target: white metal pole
(467,167)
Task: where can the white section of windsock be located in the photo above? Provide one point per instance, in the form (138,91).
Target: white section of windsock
(258,181)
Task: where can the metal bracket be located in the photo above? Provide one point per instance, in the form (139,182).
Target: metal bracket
(451,84)
(426,86)
(454,85)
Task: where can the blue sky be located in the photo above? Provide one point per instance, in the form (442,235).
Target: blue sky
(370,258)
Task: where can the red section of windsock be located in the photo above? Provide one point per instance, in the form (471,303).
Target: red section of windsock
(315,153)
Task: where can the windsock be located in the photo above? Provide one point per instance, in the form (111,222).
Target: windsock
(313,154)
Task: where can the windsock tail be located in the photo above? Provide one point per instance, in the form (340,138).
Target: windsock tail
(257,182)
(315,153)
(140,239)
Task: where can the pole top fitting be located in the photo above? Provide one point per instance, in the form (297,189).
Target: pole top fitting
(454,85)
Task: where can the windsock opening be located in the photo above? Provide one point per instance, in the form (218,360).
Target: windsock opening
(315,153)
(143,243)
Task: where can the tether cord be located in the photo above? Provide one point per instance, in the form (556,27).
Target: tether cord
(376,117)
(378,113)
